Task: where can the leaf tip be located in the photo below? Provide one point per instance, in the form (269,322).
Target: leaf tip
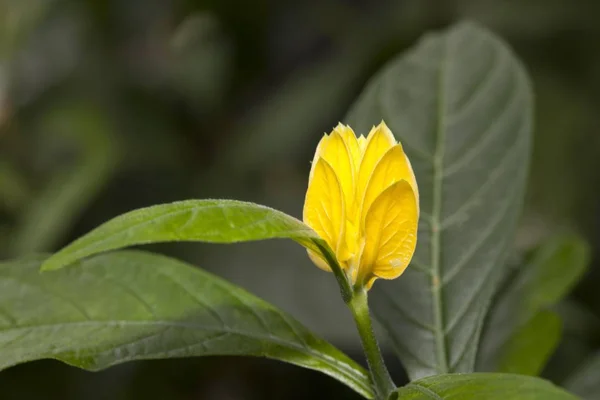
(51,264)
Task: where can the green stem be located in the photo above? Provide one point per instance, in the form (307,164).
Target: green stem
(338,272)
(379,374)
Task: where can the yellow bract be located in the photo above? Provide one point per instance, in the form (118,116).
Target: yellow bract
(363,200)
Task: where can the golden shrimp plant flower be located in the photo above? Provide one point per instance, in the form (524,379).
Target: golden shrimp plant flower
(363,200)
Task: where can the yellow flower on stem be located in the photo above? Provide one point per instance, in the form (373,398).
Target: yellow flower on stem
(363,200)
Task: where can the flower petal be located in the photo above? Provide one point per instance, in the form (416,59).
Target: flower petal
(320,148)
(332,148)
(351,142)
(362,144)
(391,168)
(390,233)
(379,141)
(324,205)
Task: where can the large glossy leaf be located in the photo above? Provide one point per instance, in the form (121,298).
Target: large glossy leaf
(585,381)
(132,305)
(547,276)
(481,387)
(460,103)
(213,221)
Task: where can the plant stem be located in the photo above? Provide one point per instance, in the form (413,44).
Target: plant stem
(359,306)
(342,280)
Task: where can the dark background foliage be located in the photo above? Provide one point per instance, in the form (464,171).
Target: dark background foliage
(106,106)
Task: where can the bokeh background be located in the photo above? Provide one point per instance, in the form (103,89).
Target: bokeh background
(110,105)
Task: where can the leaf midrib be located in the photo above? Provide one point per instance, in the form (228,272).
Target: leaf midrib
(438,160)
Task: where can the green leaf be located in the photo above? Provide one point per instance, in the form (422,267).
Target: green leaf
(547,277)
(481,386)
(584,381)
(213,221)
(529,348)
(133,305)
(460,103)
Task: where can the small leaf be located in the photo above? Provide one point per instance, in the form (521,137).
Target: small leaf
(528,350)
(481,386)
(585,380)
(214,221)
(133,305)
(460,104)
(545,279)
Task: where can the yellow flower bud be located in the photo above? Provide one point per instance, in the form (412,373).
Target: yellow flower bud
(363,200)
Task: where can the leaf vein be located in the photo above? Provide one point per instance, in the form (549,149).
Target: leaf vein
(470,202)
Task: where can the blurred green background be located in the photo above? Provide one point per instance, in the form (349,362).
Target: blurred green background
(107,106)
